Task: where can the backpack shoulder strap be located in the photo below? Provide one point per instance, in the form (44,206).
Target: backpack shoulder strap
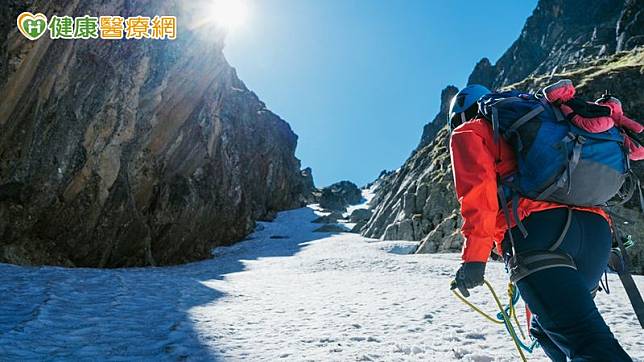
(558,114)
(521,121)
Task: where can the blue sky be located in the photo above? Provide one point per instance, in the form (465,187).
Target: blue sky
(358,79)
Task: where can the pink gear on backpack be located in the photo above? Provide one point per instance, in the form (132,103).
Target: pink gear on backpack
(617,113)
(635,151)
(592,125)
(563,91)
(559,92)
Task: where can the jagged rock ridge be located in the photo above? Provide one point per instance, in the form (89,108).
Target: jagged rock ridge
(559,35)
(432,128)
(124,153)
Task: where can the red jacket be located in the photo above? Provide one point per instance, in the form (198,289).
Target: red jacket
(475,169)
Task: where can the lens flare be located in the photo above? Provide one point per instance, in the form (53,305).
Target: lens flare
(228,14)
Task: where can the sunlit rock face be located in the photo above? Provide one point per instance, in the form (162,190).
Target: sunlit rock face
(128,153)
(417,201)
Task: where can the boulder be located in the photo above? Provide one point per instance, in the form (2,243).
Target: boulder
(332,218)
(359,215)
(405,230)
(340,195)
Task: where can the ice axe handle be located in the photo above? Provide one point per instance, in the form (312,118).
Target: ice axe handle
(633,295)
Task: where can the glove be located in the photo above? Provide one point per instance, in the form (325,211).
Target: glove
(617,113)
(468,276)
(592,125)
(587,109)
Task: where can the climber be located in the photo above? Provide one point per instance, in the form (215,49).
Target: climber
(565,319)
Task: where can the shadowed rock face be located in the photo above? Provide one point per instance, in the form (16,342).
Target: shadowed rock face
(417,202)
(630,27)
(308,187)
(125,153)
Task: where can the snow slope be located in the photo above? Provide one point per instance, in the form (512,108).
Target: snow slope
(367,195)
(287,293)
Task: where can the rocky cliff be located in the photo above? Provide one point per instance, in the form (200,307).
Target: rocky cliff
(562,34)
(139,152)
(418,203)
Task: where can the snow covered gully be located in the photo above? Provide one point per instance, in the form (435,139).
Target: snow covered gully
(286,293)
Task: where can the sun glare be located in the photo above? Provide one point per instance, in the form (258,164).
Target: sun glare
(229,14)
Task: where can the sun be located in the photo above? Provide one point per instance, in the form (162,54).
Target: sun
(228,14)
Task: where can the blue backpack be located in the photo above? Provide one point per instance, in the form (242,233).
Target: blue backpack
(556,160)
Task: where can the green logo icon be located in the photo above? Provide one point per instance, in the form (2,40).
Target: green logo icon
(32,26)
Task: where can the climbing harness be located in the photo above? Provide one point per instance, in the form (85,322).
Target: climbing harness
(505,316)
(521,265)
